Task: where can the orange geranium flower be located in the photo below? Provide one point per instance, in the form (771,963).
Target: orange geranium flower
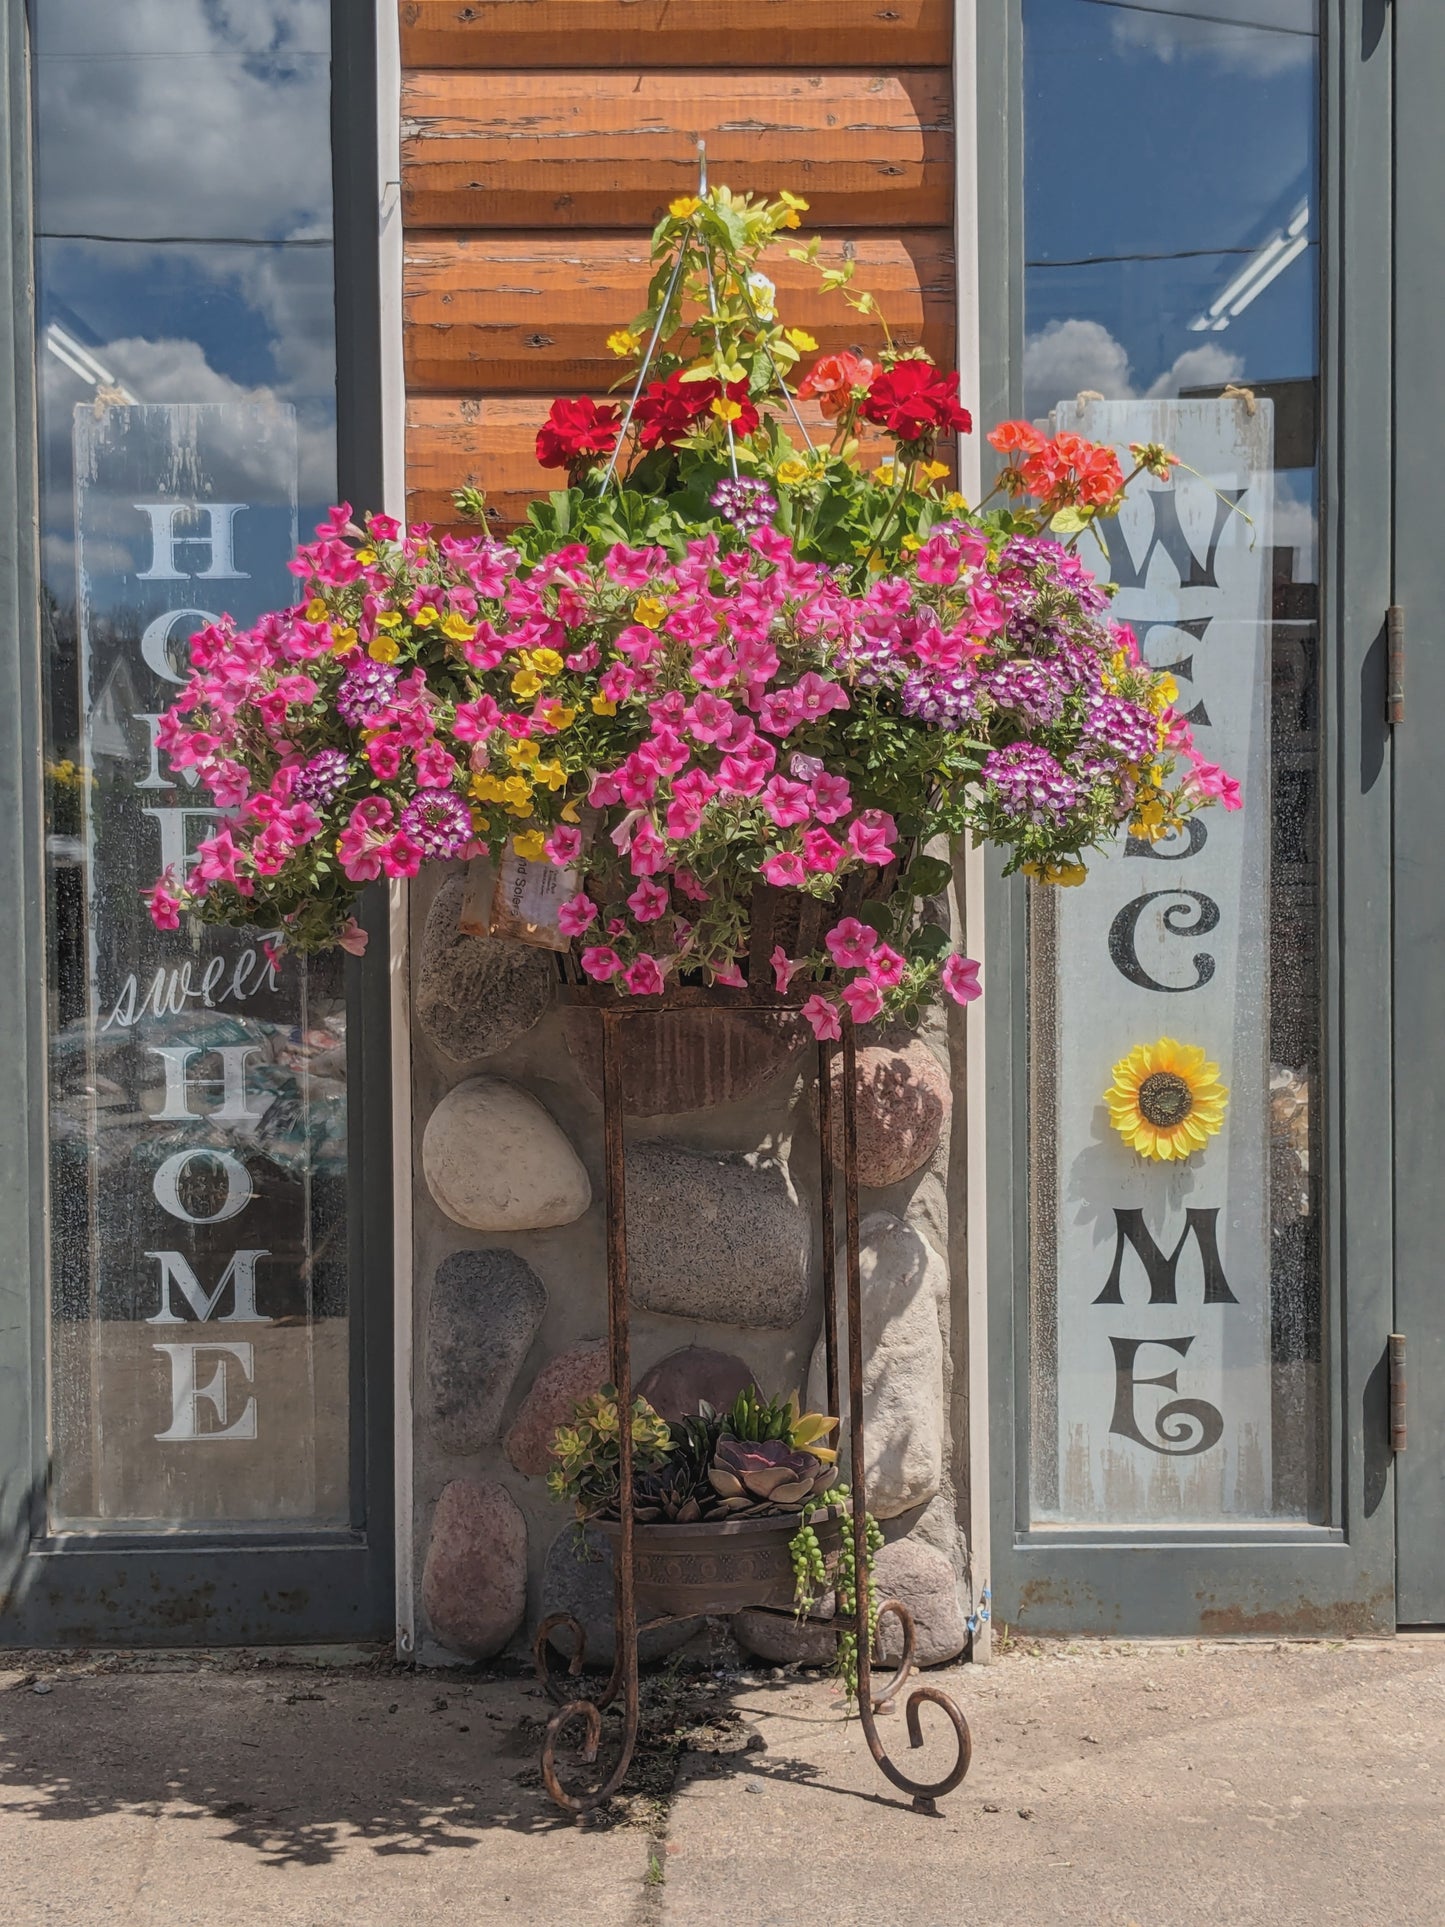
(832,380)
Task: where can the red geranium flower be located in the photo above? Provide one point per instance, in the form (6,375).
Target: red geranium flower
(576,427)
(1012,438)
(914,402)
(1069,469)
(669,410)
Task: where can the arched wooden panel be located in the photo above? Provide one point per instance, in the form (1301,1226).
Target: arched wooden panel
(505,314)
(496,34)
(565,150)
(455,442)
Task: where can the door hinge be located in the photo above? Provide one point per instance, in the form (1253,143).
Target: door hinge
(1394,664)
(1397,1392)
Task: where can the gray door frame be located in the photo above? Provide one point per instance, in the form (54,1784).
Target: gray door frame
(1419,904)
(261,1587)
(1272,1579)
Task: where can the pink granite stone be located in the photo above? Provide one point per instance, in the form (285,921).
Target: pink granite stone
(903,1099)
(561,1384)
(474,1584)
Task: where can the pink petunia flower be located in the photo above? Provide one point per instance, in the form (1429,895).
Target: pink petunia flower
(864,999)
(821,853)
(886,966)
(648,901)
(830,797)
(564,845)
(784,870)
(643,978)
(871,836)
(959,978)
(576,914)
(352,937)
(601,961)
(784,802)
(785,968)
(851,943)
(165,909)
(823,1016)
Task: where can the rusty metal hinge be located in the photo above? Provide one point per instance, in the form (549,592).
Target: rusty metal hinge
(1394,664)
(1397,1392)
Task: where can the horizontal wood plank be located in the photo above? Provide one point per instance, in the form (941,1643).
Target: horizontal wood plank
(457,442)
(569,150)
(505,314)
(496,34)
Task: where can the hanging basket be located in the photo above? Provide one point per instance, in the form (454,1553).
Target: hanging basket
(720,1566)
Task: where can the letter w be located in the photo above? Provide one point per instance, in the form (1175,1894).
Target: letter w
(240,1272)
(1160,1270)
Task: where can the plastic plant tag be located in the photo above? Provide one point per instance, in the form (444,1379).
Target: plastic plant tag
(527,898)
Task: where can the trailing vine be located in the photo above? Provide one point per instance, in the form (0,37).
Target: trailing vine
(811,1579)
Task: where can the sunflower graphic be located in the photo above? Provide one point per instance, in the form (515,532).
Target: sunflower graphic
(1166,1100)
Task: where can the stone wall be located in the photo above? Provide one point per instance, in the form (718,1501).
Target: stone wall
(723,1220)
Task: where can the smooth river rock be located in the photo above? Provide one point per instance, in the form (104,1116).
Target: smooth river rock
(485,1310)
(720,1239)
(577,1579)
(494,1160)
(562,1383)
(474,1583)
(903,1099)
(923,1580)
(688,1060)
(678,1384)
(903,1281)
(475,995)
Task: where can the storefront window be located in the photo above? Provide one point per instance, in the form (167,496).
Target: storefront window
(199,1299)
(1171,293)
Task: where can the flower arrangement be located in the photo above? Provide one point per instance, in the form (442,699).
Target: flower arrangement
(1166,1100)
(717,662)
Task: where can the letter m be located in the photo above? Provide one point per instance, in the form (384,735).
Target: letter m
(239,1273)
(1131,1233)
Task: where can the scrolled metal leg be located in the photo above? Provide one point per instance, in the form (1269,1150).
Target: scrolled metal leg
(925,1793)
(897,1610)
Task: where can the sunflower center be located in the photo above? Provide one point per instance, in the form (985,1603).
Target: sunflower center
(1165,1100)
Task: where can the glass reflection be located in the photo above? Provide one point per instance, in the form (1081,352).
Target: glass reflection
(199,1347)
(1171,242)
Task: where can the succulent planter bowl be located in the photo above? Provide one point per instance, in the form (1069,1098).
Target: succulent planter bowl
(720,1565)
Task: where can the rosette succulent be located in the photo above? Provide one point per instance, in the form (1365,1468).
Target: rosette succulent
(750,1474)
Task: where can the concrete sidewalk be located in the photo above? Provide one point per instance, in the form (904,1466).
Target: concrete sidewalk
(1156,1784)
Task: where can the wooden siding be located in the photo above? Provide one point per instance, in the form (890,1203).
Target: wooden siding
(676,33)
(541,139)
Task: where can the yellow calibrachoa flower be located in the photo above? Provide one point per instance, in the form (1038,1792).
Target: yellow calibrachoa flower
(725,409)
(546,662)
(552,774)
(342,640)
(1164,692)
(801,340)
(488,788)
(526,683)
(912,543)
(1065,875)
(383,649)
(680,209)
(1166,1100)
(953,500)
(316,610)
(622,341)
(558,716)
(426,617)
(531,844)
(366,557)
(650,611)
(603,706)
(523,749)
(792,471)
(456,628)
(884,474)
(389,619)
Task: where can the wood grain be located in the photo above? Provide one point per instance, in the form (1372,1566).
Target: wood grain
(490,443)
(496,34)
(569,150)
(510,315)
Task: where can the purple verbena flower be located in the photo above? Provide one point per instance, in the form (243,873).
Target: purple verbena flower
(320,781)
(438,822)
(1027,779)
(745,502)
(365,691)
(1124,727)
(1033,690)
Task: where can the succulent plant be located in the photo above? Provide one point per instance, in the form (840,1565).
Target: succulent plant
(588,1451)
(756,1419)
(767,1472)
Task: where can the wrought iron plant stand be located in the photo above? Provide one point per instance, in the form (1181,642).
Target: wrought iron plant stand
(575,1711)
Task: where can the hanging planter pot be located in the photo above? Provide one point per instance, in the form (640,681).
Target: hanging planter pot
(720,1565)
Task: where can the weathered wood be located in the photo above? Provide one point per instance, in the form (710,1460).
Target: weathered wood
(508,314)
(567,150)
(496,34)
(490,443)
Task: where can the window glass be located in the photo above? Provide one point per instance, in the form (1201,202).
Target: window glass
(1171,236)
(198,1311)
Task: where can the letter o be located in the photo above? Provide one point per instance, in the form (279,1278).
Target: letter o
(156,640)
(167,1182)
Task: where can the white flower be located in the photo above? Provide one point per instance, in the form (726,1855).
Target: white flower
(764,296)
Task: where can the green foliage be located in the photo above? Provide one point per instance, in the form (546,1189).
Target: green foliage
(812,1576)
(588,1451)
